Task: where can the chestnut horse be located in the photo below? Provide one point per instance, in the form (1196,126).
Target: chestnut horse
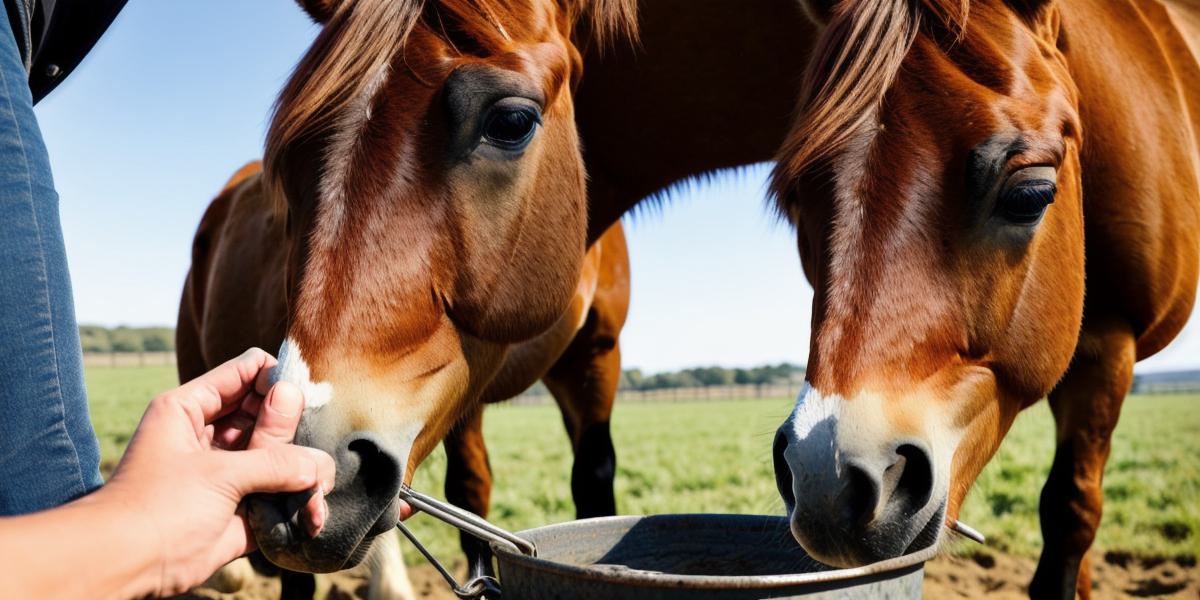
(961,178)
(307,137)
(242,238)
(416,243)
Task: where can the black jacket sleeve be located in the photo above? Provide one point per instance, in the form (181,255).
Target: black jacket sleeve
(72,29)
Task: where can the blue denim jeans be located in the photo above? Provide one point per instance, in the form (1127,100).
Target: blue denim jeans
(48,450)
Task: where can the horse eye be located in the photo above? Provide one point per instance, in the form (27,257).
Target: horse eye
(1026,202)
(511,128)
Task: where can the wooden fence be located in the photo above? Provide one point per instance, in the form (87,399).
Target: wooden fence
(128,359)
(688,394)
(1169,382)
(536,396)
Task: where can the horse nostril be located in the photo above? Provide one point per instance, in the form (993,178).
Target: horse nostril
(378,471)
(915,486)
(859,496)
(783,473)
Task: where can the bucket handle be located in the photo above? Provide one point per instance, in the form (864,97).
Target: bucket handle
(478,587)
(482,587)
(466,521)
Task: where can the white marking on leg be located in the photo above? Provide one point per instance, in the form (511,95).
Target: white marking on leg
(293,369)
(389,578)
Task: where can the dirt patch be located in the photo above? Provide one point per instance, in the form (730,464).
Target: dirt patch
(346,585)
(1114,575)
(994,576)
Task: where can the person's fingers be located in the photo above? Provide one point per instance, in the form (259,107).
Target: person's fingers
(278,417)
(405,509)
(232,432)
(326,468)
(316,512)
(219,391)
(278,468)
(262,383)
(253,403)
(236,540)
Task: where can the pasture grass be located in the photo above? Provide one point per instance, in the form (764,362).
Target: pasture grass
(714,456)
(117,397)
(1151,481)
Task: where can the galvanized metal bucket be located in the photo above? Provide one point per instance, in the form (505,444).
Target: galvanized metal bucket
(662,557)
(693,556)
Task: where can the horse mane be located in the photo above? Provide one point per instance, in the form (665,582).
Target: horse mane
(358,42)
(855,61)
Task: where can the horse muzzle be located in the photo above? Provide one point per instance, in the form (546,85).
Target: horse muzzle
(856,493)
(362,505)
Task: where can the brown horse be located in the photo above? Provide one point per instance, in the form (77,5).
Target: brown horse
(958,181)
(637,109)
(416,243)
(241,238)
(630,164)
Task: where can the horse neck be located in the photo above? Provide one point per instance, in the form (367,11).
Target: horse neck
(1186,16)
(651,115)
(1139,96)
(1136,72)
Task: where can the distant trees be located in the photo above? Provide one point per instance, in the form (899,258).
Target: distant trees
(634,379)
(95,338)
(158,339)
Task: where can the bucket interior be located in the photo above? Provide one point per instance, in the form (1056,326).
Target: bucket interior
(732,545)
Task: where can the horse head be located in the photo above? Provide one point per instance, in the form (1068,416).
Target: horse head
(436,208)
(933,176)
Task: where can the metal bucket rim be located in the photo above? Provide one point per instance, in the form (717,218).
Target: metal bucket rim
(899,565)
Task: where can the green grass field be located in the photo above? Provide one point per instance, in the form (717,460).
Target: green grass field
(715,457)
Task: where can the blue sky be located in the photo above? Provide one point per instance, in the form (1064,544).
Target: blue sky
(176,97)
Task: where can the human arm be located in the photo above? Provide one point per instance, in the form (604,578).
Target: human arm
(169,517)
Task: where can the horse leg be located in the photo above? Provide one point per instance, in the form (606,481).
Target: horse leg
(469,485)
(232,577)
(388,576)
(1086,405)
(584,383)
(297,586)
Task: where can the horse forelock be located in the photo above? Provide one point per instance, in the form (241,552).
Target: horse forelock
(349,61)
(856,59)
(339,137)
(353,48)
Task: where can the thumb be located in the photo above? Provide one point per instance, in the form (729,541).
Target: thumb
(279,468)
(278,417)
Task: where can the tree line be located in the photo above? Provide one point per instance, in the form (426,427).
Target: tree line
(96,338)
(782,373)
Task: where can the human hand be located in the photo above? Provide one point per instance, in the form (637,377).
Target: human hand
(201,448)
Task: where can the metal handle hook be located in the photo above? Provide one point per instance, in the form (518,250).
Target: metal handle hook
(479,587)
(466,521)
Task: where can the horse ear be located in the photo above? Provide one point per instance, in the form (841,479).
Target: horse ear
(1030,8)
(320,10)
(819,11)
(1042,15)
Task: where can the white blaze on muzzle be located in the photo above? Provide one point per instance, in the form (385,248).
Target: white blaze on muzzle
(826,432)
(294,370)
